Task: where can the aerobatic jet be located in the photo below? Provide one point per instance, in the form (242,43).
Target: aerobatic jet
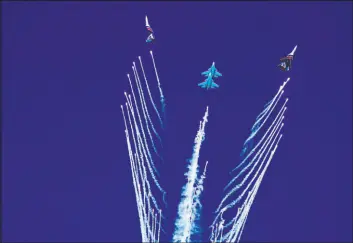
(150,37)
(210,74)
(213,71)
(286,62)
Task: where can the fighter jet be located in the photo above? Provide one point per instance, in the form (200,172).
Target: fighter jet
(210,74)
(213,71)
(150,38)
(286,62)
(208,83)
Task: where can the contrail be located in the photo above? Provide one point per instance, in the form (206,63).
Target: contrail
(197,206)
(283,109)
(276,98)
(159,84)
(184,225)
(138,82)
(240,192)
(149,92)
(145,112)
(138,125)
(224,230)
(146,202)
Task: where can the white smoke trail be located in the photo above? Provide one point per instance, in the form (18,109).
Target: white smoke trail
(142,146)
(137,129)
(186,212)
(159,84)
(280,93)
(146,202)
(143,102)
(263,154)
(149,92)
(283,109)
(142,128)
(262,150)
(146,115)
(196,205)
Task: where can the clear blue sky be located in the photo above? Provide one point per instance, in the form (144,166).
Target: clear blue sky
(66,175)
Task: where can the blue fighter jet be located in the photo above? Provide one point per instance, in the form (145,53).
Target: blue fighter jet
(210,74)
(213,71)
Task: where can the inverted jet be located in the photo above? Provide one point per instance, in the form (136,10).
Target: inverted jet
(150,37)
(286,62)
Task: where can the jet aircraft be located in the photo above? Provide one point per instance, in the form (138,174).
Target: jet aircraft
(286,62)
(150,38)
(213,71)
(210,74)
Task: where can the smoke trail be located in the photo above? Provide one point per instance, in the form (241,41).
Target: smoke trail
(187,211)
(159,84)
(283,109)
(145,112)
(146,202)
(149,92)
(137,130)
(267,111)
(137,79)
(197,206)
(224,230)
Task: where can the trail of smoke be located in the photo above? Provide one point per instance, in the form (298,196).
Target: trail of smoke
(234,202)
(253,192)
(135,183)
(196,205)
(184,221)
(253,134)
(249,143)
(258,144)
(146,118)
(238,186)
(145,208)
(143,103)
(258,163)
(149,93)
(145,111)
(142,145)
(240,219)
(141,124)
(281,112)
(269,105)
(159,84)
(141,160)
(143,177)
(139,146)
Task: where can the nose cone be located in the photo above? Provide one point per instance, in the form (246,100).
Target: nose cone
(213,63)
(292,53)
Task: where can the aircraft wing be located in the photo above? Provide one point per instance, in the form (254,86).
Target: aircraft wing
(283,68)
(217,74)
(150,38)
(205,73)
(214,85)
(203,84)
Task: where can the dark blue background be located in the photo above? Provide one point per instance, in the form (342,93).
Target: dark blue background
(66,175)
